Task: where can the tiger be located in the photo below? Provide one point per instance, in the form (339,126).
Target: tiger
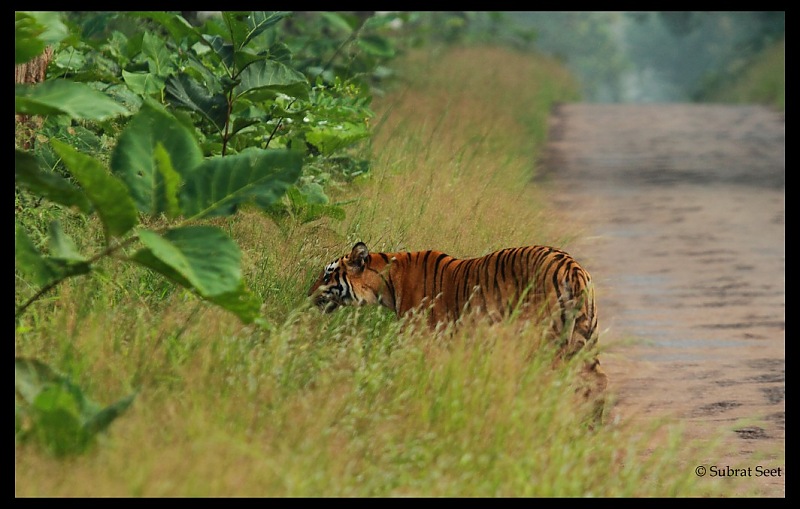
(541,282)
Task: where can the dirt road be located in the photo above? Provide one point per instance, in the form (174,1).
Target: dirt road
(683,212)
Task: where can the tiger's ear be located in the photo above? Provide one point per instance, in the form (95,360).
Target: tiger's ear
(358,256)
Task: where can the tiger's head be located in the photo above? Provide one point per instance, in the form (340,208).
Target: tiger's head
(347,280)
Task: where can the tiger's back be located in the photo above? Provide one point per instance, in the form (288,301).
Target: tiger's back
(534,282)
(537,282)
(540,283)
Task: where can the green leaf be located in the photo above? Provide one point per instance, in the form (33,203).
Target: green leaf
(376,45)
(178,28)
(42,270)
(55,30)
(259,21)
(236,22)
(30,375)
(265,78)
(347,25)
(158,56)
(222,49)
(312,192)
(62,97)
(109,196)
(203,258)
(220,184)
(100,421)
(245,57)
(198,69)
(58,424)
(64,254)
(35,30)
(56,412)
(241,123)
(331,138)
(144,83)
(61,245)
(28,173)
(134,158)
(380,20)
(167,182)
(27,43)
(29,260)
(309,203)
(241,302)
(185,92)
(280,52)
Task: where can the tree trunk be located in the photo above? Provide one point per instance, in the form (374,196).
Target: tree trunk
(31,72)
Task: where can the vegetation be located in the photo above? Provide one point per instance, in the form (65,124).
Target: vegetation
(642,56)
(167,171)
(761,80)
(288,402)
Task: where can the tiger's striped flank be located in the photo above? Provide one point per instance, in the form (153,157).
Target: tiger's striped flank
(537,281)
(541,283)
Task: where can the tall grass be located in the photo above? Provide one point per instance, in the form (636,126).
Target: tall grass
(356,403)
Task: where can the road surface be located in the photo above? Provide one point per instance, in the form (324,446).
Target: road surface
(682,209)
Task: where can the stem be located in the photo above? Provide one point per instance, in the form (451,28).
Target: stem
(347,41)
(227,123)
(353,35)
(52,284)
(278,125)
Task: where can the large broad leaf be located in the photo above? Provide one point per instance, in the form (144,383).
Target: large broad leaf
(244,26)
(102,419)
(42,270)
(64,254)
(167,182)
(197,69)
(236,22)
(28,173)
(134,158)
(29,260)
(259,21)
(382,19)
(245,57)
(203,258)
(30,375)
(331,138)
(33,31)
(61,245)
(185,92)
(159,58)
(58,422)
(376,45)
(309,202)
(345,23)
(62,97)
(27,43)
(265,78)
(55,412)
(178,28)
(222,49)
(220,184)
(143,83)
(241,302)
(109,196)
